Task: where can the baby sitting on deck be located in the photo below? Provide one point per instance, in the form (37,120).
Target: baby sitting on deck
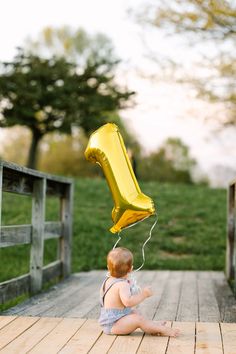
(117,300)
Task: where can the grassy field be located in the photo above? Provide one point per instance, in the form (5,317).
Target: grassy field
(190,233)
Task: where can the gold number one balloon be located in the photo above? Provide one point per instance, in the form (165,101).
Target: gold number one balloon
(106,147)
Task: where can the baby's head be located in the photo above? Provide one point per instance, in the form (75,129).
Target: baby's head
(119,262)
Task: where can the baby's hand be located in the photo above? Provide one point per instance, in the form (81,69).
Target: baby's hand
(147,291)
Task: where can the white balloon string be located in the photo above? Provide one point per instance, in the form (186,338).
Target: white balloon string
(119,238)
(144,244)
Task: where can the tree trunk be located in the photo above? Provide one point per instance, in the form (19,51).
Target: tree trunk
(33,152)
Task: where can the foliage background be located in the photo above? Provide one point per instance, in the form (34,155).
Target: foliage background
(190,233)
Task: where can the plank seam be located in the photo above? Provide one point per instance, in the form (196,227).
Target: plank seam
(89,281)
(20,333)
(180,294)
(168,341)
(195,338)
(44,336)
(72,335)
(158,305)
(95,342)
(8,323)
(198,301)
(112,343)
(140,343)
(222,340)
(221,305)
(44,312)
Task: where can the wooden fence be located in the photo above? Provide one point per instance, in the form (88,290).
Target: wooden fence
(231,235)
(38,185)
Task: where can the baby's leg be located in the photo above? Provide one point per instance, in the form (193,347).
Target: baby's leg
(160,323)
(126,324)
(130,323)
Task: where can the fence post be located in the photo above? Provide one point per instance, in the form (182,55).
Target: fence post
(1,177)
(37,245)
(66,239)
(231,235)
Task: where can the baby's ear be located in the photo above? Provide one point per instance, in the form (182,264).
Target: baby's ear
(130,269)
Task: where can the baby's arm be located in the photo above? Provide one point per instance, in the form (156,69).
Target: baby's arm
(132,300)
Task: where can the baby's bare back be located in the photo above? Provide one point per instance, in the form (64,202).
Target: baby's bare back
(112,297)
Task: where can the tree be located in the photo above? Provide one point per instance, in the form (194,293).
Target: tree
(171,163)
(75,44)
(48,95)
(210,26)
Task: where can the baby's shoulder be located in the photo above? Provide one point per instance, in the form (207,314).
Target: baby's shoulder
(123,283)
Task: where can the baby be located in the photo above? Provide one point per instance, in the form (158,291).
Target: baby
(117,299)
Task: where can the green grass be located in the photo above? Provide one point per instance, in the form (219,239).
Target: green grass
(190,233)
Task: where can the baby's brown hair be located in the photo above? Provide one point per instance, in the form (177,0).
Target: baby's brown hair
(119,262)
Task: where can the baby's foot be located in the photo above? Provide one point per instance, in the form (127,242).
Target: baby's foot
(169,332)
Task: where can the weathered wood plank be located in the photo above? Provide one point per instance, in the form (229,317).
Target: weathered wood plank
(4,320)
(62,305)
(88,297)
(208,338)
(127,344)
(185,343)
(39,303)
(188,303)
(168,306)
(78,296)
(231,232)
(12,288)
(58,337)
(15,235)
(1,181)
(37,246)
(102,344)
(153,344)
(66,240)
(12,235)
(52,270)
(228,331)
(28,339)
(83,339)
(52,229)
(20,180)
(16,182)
(208,306)
(158,281)
(15,328)
(55,189)
(224,296)
(31,172)
(147,278)
(64,336)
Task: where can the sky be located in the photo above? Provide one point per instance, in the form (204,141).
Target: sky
(162,109)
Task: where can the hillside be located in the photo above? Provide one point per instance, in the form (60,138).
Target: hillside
(190,233)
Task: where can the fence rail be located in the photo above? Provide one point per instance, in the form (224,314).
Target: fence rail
(231,235)
(38,185)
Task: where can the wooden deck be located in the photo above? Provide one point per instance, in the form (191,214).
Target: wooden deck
(64,319)
(75,335)
(178,296)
